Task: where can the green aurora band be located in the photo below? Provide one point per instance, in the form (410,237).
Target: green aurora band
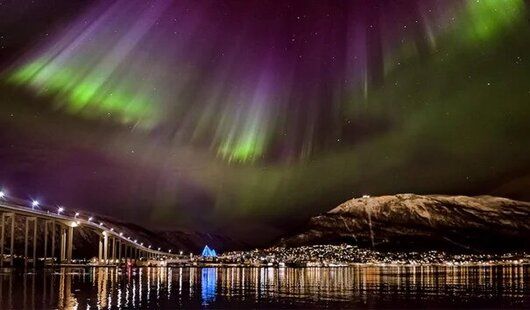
(242,134)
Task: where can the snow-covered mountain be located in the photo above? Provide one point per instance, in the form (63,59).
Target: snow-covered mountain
(408,221)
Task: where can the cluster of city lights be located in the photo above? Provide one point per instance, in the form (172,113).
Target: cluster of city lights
(35,204)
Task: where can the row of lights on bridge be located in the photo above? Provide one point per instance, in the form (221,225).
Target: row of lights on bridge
(60,209)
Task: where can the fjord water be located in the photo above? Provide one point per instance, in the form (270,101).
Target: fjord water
(230,287)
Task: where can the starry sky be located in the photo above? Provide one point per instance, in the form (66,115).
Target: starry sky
(247,117)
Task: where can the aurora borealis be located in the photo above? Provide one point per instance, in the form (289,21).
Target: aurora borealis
(204,114)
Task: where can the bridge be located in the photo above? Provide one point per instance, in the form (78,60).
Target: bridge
(58,229)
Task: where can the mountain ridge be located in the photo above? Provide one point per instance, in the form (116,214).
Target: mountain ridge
(410,221)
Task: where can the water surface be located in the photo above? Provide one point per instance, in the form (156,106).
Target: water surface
(343,287)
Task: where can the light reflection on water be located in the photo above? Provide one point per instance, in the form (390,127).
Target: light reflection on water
(387,286)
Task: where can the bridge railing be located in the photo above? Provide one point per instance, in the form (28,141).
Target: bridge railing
(113,245)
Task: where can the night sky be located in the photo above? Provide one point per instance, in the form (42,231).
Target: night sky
(247,117)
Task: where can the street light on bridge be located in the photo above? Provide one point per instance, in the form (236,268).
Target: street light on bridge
(76,215)
(60,210)
(34,204)
(2,194)
(90,219)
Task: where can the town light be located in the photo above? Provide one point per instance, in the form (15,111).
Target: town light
(121,234)
(90,219)
(100,223)
(169,250)
(34,204)
(60,210)
(76,215)
(2,194)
